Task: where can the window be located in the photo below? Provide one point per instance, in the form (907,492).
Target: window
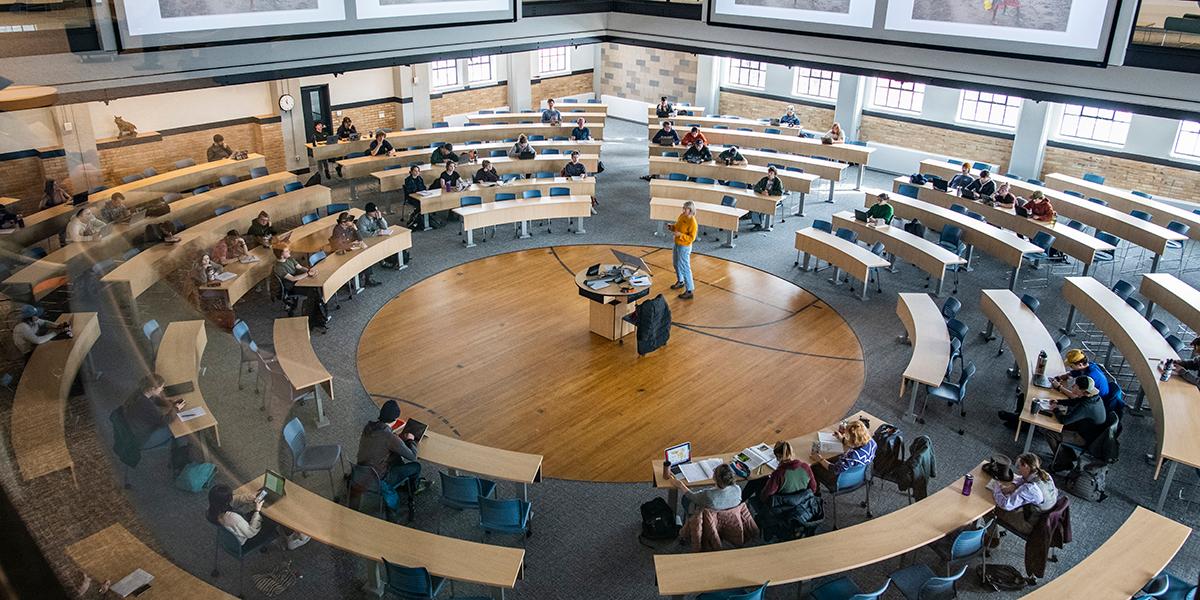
(1096,124)
(480,69)
(1188,142)
(553,60)
(747,73)
(900,95)
(993,109)
(816,83)
(443,74)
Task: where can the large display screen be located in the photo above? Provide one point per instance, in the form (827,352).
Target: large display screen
(153,23)
(1070,30)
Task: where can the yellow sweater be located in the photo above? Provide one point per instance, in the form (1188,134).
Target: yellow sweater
(685,230)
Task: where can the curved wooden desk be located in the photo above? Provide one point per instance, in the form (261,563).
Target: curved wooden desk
(999,243)
(424,138)
(39,437)
(371,538)
(1072,242)
(112,553)
(362,166)
(432,201)
(707,215)
(1118,569)
(523,210)
(179,356)
(294,351)
(843,255)
(190,211)
(748,174)
(47,223)
(918,251)
(930,341)
(824,169)
(337,269)
(652,112)
(1125,226)
(493,463)
(1125,201)
(1175,403)
(393,179)
(711,193)
(684,123)
(536,117)
(867,543)
(1175,296)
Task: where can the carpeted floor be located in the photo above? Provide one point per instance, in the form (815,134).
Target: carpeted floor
(585,545)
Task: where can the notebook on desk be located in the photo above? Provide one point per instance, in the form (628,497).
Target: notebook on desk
(178,389)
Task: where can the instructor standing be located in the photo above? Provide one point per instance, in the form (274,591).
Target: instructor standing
(685,233)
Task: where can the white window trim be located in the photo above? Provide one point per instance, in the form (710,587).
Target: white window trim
(566,62)
(459,70)
(891,109)
(464,69)
(728,82)
(1058,136)
(1175,154)
(984,125)
(811,98)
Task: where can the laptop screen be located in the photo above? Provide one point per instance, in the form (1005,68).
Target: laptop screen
(273,482)
(679,454)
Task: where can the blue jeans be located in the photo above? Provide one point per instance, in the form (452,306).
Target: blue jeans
(682,258)
(398,473)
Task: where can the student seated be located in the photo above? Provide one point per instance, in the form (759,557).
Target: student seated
(731,156)
(149,412)
(834,135)
(220,150)
(1004,196)
(206,271)
(698,152)
(229,249)
(574,168)
(666,136)
(261,230)
(412,184)
(664,109)
(522,150)
(163,231)
(114,210)
(1078,366)
(1039,207)
(53,194)
(694,135)
(580,133)
(392,458)
(289,271)
(442,154)
(881,210)
(789,118)
(858,450)
(372,224)
(1084,414)
(450,177)
(714,515)
(486,173)
(964,177)
(550,114)
(770,185)
(346,129)
(726,494)
(792,475)
(380,146)
(1021,502)
(32,330)
(230,511)
(83,227)
(345,238)
(983,188)
(1189,369)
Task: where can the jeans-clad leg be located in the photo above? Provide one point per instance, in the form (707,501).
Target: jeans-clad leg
(682,257)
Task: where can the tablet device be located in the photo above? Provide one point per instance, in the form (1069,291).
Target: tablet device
(178,389)
(416,428)
(679,454)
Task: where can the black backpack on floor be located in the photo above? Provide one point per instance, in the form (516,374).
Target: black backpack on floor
(658,521)
(915,227)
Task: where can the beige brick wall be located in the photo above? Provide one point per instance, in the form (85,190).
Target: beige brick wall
(367,118)
(23,178)
(557,87)
(1159,180)
(744,105)
(937,140)
(468,101)
(637,73)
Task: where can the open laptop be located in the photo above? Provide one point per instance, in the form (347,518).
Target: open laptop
(678,455)
(178,389)
(940,184)
(272,489)
(416,428)
(1022,211)
(860,215)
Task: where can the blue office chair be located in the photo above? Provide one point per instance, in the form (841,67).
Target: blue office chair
(509,516)
(1160,327)
(411,583)
(822,225)
(336,208)
(753,594)
(976,216)
(958,336)
(470,201)
(951,393)
(951,239)
(307,458)
(440,124)
(1142,194)
(1136,304)
(252,353)
(220,210)
(1141,214)
(505,196)
(171,197)
(510,177)
(497,154)
(1167,586)
(1013,176)
(437,144)
(153,334)
(856,142)
(131,178)
(772,130)
(462,492)
(1076,225)
(676,177)
(744,129)
(1122,289)
(962,548)
(919,583)
(671,154)
(794,169)
(543,175)
(560,191)
(184,163)
(531,194)
(1094,178)
(551,151)
(257,172)
(1107,255)
(843,588)
(149,172)
(950,308)
(570,100)
(1037,182)
(741,185)
(593,101)
(849,481)
(909,190)
(309,218)
(847,234)
(227,180)
(706,180)
(487,112)
(316,257)
(720,127)
(537,138)
(35,252)
(200,190)
(954,161)
(1044,241)
(1074,193)
(267,196)
(1031,302)
(292,186)
(958,208)
(1181,229)
(229,543)
(981,166)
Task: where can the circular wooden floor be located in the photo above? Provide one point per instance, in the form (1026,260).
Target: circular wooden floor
(498,351)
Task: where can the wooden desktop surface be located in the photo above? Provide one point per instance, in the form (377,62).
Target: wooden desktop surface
(294,351)
(1026,336)
(1125,201)
(372,538)
(393,179)
(362,166)
(652,110)
(113,552)
(929,336)
(859,545)
(179,356)
(1117,570)
(685,123)
(493,463)
(1174,296)
(1175,403)
(455,135)
(314,237)
(825,169)
(568,118)
(918,251)
(713,193)
(39,438)
(437,200)
(846,255)
(789,144)
(748,174)
(337,269)
(707,214)
(524,209)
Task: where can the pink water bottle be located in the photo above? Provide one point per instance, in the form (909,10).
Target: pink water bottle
(968,481)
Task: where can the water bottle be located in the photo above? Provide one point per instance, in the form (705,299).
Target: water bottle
(1040,369)
(968,481)
(1166,370)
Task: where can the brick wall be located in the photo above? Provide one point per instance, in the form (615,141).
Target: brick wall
(744,105)
(23,178)
(937,140)
(637,73)
(468,101)
(367,118)
(1159,180)
(557,87)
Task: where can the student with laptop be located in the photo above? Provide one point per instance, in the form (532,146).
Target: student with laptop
(32,330)
(964,178)
(521,150)
(727,494)
(83,227)
(380,146)
(789,118)
(980,189)
(697,153)
(346,129)
(261,230)
(1004,196)
(486,173)
(1038,207)
(731,156)
(231,511)
(443,153)
(881,210)
(149,412)
(770,185)
(114,210)
(392,457)
(666,136)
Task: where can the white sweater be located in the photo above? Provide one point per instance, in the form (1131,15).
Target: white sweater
(237,524)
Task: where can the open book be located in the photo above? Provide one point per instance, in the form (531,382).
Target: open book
(757,456)
(829,442)
(699,471)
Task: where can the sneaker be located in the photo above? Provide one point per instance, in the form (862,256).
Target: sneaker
(685,296)
(677,285)
(422,485)
(296,540)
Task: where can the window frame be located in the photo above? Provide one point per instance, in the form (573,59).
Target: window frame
(917,93)
(434,69)
(733,64)
(1194,155)
(491,66)
(979,99)
(542,56)
(1098,116)
(834,83)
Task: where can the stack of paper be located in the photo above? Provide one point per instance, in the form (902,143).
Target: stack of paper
(757,456)
(829,442)
(131,583)
(191,413)
(699,471)
(225,275)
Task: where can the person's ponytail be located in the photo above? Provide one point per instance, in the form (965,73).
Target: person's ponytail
(1034,462)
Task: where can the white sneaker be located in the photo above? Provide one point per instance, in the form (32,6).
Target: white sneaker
(296,540)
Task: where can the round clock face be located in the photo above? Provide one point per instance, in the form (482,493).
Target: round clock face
(287,102)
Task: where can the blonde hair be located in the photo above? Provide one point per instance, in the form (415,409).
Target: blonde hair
(783,450)
(856,434)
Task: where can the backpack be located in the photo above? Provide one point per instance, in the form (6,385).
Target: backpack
(889,453)
(157,208)
(915,227)
(658,521)
(917,179)
(195,477)
(1087,481)
(1001,578)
